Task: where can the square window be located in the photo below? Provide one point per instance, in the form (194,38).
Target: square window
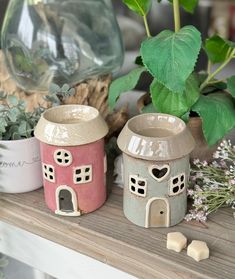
(82,174)
(138,185)
(177,184)
(48,172)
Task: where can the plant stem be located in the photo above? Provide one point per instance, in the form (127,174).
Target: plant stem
(209,67)
(216,81)
(146,26)
(176,7)
(220,68)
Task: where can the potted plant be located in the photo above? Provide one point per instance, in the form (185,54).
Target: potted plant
(199,98)
(20,163)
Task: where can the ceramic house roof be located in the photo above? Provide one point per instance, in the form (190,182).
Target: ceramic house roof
(71,125)
(156,136)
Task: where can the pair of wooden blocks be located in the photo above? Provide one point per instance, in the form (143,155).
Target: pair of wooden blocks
(198,250)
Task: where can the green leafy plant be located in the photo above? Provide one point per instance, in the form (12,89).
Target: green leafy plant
(15,122)
(58,94)
(171,57)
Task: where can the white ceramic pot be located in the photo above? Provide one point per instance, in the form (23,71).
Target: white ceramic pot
(20,166)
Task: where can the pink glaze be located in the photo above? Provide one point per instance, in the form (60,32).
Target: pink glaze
(90,196)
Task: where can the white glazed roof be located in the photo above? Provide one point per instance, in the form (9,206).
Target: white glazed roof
(71,125)
(156,136)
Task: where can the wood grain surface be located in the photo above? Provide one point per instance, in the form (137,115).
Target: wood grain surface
(109,237)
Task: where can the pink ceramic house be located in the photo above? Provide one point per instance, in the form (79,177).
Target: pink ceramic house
(73,159)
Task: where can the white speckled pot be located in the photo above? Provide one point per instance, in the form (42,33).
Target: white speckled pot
(20,166)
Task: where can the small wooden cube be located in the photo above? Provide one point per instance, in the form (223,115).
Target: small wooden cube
(176,241)
(198,250)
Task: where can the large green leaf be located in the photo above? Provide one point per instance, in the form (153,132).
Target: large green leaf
(188,5)
(171,57)
(123,84)
(231,85)
(140,7)
(218,115)
(218,49)
(166,101)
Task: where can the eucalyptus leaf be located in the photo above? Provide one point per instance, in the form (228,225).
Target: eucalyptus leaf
(123,84)
(15,122)
(65,88)
(166,101)
(12,100)
(231,85)
(217,49)
(3,125)
(22,129)
(54,88)
(171,57)
(12,114)
(218,115)
(16,136)
(71,91)
(140,7)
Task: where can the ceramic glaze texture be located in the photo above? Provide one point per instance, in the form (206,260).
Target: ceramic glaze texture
(73,159)
(137,208)
(156,151)
(20,166)
(89,196)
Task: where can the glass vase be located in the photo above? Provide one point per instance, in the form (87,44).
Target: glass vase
(60,41)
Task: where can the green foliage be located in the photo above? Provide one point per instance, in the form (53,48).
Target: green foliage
(58,94)
(166,101)
(218,115)
(15,122)
(148,108)
(188,5)
(140,7)
(218,49)
(231,85)
(171,57)
(123,84)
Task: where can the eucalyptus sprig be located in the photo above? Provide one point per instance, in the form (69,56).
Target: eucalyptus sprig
(15,122)
(58,94)
(170,57)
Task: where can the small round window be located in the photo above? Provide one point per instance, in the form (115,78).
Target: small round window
(63,157)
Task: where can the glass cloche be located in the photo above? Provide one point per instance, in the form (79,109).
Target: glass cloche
(60,41)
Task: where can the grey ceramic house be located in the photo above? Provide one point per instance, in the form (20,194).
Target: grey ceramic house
(156,150)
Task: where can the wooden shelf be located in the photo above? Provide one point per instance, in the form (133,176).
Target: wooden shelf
(107,236)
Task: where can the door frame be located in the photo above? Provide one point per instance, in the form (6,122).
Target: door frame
(75,211)
(150,201)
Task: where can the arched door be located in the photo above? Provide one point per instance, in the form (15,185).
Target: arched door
(65,201)
(157,213)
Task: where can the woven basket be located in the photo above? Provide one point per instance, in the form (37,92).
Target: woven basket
(92,92)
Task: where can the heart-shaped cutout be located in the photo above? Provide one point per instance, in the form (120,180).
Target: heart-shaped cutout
(159,173)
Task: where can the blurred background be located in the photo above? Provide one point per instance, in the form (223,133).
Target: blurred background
(211,16)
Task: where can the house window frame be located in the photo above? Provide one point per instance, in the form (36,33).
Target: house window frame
(63,157)
(45,170)
(137,185)
(83,174)
(172,185)
(160,167)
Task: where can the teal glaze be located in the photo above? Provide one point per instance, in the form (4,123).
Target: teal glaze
(135,207)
